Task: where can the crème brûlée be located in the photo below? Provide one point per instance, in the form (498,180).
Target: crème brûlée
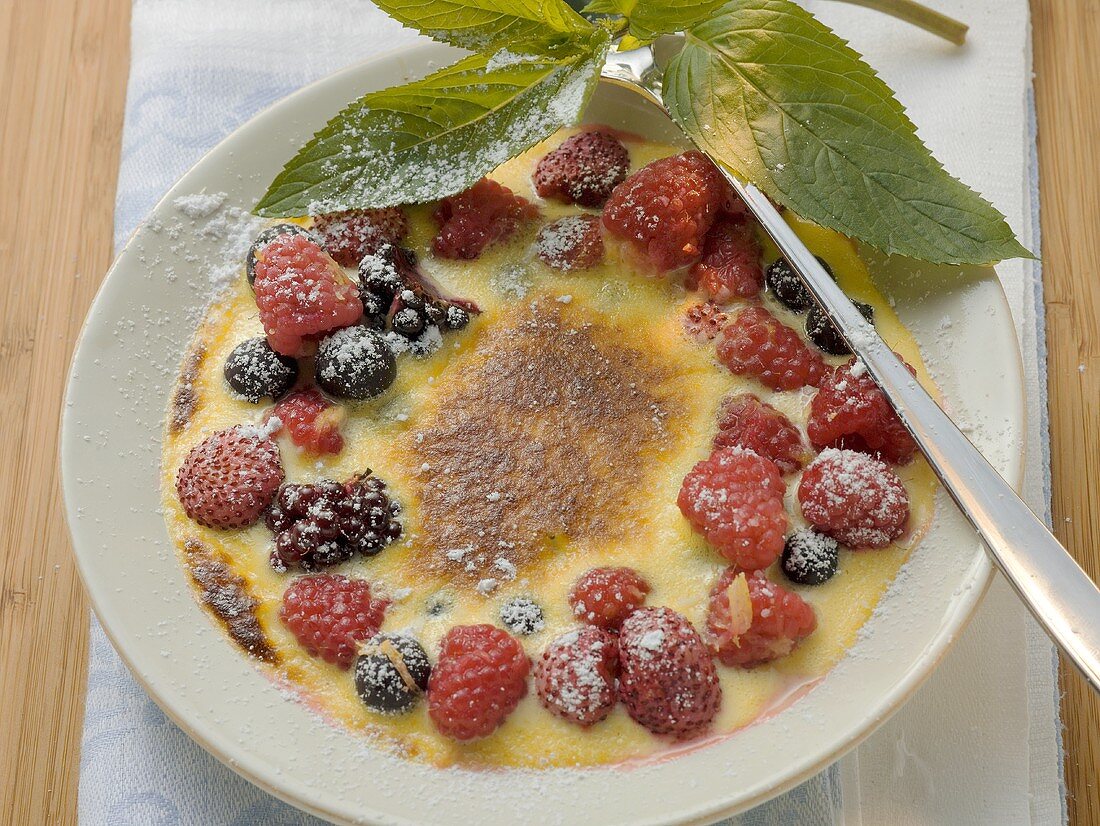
(563,470)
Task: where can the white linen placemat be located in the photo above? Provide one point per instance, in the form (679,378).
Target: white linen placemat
(979,743)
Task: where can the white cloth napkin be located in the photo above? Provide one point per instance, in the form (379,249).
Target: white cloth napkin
(979,743)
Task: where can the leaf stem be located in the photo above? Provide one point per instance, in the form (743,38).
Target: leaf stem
(919,15)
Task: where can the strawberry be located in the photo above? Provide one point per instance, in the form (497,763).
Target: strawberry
(667,680)
(575,676)
(230,478)
(583,169)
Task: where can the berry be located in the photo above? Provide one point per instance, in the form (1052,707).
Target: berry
(604,597)
(735,500)
(522,616)
(348,236)
(253,370)
(583,169)
(265,238)
(752,620)
(331,614)
(730,267)
(786,285)
(826,336)
(312,421)
(327,523)
(301,294)
(854,498)
(478,680)
(747,422)
(667,680)
(355,363)
(482,215)
(849,411)
(391,673)
(575,676)
(571,243)
(382,275)
(757,344)
(809,557)
(229,478)
(703,322)
(664,210)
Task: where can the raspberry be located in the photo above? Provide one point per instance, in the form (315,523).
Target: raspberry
(327,523)
(571,243)
(854,498)
(730,267)
(351,235)
(604,597)
(482,215)
(301,293)
(747,422)
(479,679)
(752,620)
(312,421)
(758,344)
(667,679)
(229,478)
(331,614)
(849,411)
(703,322)
(575,677)
(665,209)
(735,500)
(583,170)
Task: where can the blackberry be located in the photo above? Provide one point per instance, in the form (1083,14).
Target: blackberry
(326,523)
(787,286)
(826,336)
(382,273)
(355,363)
(809,557)
(392,673)
(522,616)
(265,238)
(255,371)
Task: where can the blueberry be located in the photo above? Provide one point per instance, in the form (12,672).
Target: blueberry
(265,238)
(408,322)
(827,338)
(457,317)
(392,673)
(788,288)
(355,363)
(522,616)
(254,370)
(809,558)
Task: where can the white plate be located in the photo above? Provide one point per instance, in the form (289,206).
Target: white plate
(124,370)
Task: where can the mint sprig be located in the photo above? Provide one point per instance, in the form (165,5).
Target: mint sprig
(760,84)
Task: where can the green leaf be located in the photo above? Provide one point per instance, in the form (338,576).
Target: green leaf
(623,7)
(651,18)
(484,25)
(437,136)
(786,103)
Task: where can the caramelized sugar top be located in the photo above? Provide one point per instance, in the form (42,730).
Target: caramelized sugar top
(542,435)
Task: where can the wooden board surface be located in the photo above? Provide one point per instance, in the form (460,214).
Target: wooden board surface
(1067,69)
(62,89)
